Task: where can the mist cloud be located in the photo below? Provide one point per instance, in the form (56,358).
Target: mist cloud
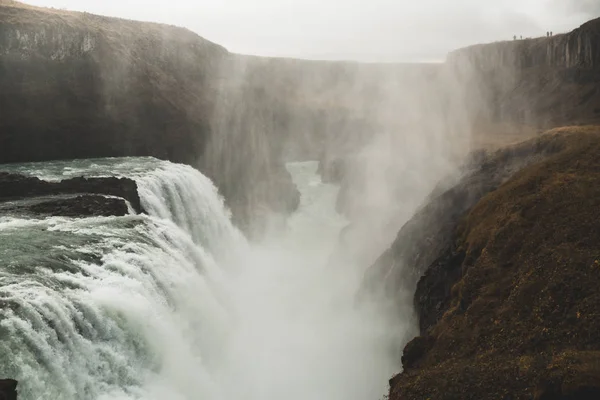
(590,8)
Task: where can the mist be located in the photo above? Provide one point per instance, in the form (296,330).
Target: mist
(320,163)
(392,132)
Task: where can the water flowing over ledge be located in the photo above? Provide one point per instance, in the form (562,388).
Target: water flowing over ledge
(94,307)
(177,304)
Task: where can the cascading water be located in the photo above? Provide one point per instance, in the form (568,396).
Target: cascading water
(177,305)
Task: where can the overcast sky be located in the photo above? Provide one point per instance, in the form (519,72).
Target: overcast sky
(365,30)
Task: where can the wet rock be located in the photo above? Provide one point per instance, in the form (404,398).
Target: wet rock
(17,187)
(78,197)
(81,206)
(8,389)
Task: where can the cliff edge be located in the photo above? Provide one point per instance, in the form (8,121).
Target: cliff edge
(77,85)
(506,279)
(542,82)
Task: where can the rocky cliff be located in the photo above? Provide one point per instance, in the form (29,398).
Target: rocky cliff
(503,270)
(76,85)
(79,85)
(579,48)
(507,91)
(542,82)
(499,262)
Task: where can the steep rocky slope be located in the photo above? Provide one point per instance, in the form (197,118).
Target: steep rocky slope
(79,85)
(76,85)
(506,263)
(91,86)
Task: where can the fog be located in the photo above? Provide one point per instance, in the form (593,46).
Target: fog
(382,135)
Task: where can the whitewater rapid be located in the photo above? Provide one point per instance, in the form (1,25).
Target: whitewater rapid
(177,304)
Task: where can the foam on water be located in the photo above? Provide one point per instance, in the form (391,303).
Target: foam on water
(177,305)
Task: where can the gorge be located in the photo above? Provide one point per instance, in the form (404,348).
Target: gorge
(179,221)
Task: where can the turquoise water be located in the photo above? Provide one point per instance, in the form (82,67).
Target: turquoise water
(177,304)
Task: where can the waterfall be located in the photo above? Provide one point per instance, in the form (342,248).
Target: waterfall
(107,307)
(183,195)
(175,304)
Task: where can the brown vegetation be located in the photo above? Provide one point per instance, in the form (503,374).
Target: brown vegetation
(522,318)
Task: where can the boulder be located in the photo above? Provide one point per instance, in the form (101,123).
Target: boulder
(8,389)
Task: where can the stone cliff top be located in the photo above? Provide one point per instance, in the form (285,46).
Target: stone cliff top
(578,48)
(22,14)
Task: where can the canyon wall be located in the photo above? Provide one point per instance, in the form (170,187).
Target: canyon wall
(540,83)
(483,260)
(579,48)
(76,85)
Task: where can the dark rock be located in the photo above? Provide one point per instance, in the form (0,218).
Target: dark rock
(94,196)
(433,289)
(8,389)
(429,235)
(81,206)
(554,391)
(332,171)
(415,350)
(519,320)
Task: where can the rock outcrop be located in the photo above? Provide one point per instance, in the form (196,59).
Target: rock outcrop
(8,389)
(76,206)
(76,197)
(507,276)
